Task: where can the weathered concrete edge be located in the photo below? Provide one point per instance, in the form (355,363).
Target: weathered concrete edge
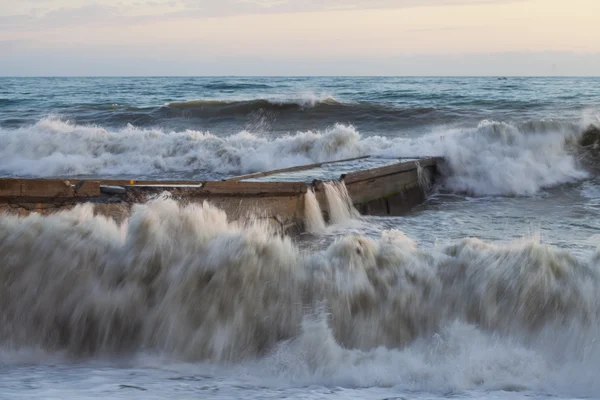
(68,188)
(379,172)
(394,191)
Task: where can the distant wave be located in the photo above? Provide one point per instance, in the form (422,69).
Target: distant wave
(254,104)
(492,158)
(235,86)
(321,108)
(111,107)
(324,110)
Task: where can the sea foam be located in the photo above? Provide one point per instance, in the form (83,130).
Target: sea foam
(493,158)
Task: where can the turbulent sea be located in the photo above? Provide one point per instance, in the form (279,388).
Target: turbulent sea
(490,289)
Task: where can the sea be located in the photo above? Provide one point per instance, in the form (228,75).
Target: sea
(488,290)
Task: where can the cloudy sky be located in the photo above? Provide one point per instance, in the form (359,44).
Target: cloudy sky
(299,37)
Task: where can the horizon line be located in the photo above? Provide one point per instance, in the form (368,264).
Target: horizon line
(300,76)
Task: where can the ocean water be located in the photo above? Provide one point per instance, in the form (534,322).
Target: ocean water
(490,289)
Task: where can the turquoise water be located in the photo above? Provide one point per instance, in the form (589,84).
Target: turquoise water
(487,290)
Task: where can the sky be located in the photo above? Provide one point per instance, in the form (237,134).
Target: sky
(299,37)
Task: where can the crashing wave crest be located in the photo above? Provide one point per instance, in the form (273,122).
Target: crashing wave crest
(493,158)
(186,282)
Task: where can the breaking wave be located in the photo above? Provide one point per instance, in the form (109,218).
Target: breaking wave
(186,283)
(56,148)
(492,158)
(246,106)
(323,109)
(499,158)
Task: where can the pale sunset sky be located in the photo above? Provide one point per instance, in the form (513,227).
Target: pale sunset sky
(299,37)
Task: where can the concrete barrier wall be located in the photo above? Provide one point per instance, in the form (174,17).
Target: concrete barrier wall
(392,190)
(389,190)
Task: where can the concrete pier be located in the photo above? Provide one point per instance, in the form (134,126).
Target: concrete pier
(376,186)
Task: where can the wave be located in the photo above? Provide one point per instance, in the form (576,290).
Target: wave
(459,357)
(112,107)
(275,110)
(247,106)
(500,158)
(493,158)
(320,107)
(223,85)
(186,283)
(57,148)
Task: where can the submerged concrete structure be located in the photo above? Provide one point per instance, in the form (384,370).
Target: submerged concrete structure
(376,187)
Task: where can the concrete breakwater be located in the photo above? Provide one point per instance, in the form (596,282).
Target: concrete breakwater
(372,186)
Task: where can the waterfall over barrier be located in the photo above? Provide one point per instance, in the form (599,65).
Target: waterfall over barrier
(339,202)
(424,178)
(339,206)
(313,216)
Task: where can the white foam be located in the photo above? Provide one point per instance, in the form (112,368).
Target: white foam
(494,158)
(54,147)
(499,158)
(186,283)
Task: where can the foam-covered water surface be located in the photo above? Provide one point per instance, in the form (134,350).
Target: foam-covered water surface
(329,171)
